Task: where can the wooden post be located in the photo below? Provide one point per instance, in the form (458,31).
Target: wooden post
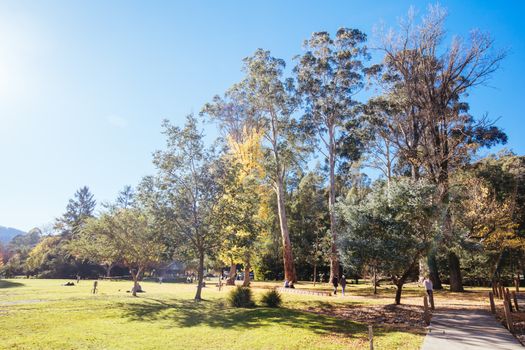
(515,298)
(508,317)
(492,305)
(431,299)
(426,313)
(507,299)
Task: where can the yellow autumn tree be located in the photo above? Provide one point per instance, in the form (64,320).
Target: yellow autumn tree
(489,220)
(240,209)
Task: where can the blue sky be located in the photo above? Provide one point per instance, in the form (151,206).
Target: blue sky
(84,85)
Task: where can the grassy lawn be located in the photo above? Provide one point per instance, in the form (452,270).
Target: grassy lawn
(42,314)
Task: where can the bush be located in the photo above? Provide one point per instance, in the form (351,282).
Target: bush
(272,298)
(241,297)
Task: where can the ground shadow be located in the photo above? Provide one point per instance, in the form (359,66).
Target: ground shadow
(390,317)
(9,284)
(188,313)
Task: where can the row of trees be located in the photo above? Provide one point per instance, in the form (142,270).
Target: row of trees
(436,203)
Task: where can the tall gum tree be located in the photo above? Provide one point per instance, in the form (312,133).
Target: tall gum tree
(329,74)
(266,100)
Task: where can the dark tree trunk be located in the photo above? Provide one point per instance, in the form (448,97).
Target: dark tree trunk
(375,281)
(108,269)
(233,273)
(200,276)
(315,272)
(433,270)
(135,275)
(398,293)
(456,284)
(246,282)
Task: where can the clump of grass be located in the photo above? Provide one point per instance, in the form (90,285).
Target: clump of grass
(272,298)
(241,297)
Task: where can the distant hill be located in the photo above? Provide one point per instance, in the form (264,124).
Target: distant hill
(8,233)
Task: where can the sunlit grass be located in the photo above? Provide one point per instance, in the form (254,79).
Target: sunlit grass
(43,314)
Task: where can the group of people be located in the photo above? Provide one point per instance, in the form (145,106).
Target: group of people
(336,282)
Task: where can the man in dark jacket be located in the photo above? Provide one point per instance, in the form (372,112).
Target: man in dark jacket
(335,283)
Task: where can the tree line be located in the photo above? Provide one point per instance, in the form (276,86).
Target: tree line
(283,190)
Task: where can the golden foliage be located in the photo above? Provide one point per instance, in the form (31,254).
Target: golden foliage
(491,221)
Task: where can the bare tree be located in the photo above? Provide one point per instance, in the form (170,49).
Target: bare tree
(429,80)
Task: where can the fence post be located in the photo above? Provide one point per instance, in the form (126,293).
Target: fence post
(507,299)
(492,306)
(508,317)
(371,336)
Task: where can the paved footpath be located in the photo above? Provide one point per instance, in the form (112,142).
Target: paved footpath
(466,330)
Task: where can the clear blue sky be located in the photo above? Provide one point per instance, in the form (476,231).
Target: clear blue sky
(84,85)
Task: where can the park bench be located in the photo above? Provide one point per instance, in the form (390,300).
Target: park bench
(303,291)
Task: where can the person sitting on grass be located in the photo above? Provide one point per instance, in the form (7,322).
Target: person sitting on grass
(286,284)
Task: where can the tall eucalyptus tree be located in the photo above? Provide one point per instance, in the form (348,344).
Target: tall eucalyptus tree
(329,74)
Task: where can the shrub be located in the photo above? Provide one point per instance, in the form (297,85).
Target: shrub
(272,298)
(241,297)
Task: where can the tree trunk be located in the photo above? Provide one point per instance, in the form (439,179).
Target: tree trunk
(108,269)
(233,273)
(398,293)
(200,276)
(456,284)
(289,271)
(135,275)
(334,258)
(375,281)
(246,282)
(433,270)
(315,272)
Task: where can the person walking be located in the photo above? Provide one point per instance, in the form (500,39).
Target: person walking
(343,284)
(335,283)
(429,287)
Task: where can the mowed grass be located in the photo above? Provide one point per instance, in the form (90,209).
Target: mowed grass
(43,314)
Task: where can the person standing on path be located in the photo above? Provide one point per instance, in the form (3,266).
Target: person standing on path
(335,283)
(427,283)
(343,284)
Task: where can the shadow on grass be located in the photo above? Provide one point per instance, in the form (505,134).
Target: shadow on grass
(9,284)
(387,318)
(187,313)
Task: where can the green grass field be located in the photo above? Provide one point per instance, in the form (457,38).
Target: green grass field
(43,314)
